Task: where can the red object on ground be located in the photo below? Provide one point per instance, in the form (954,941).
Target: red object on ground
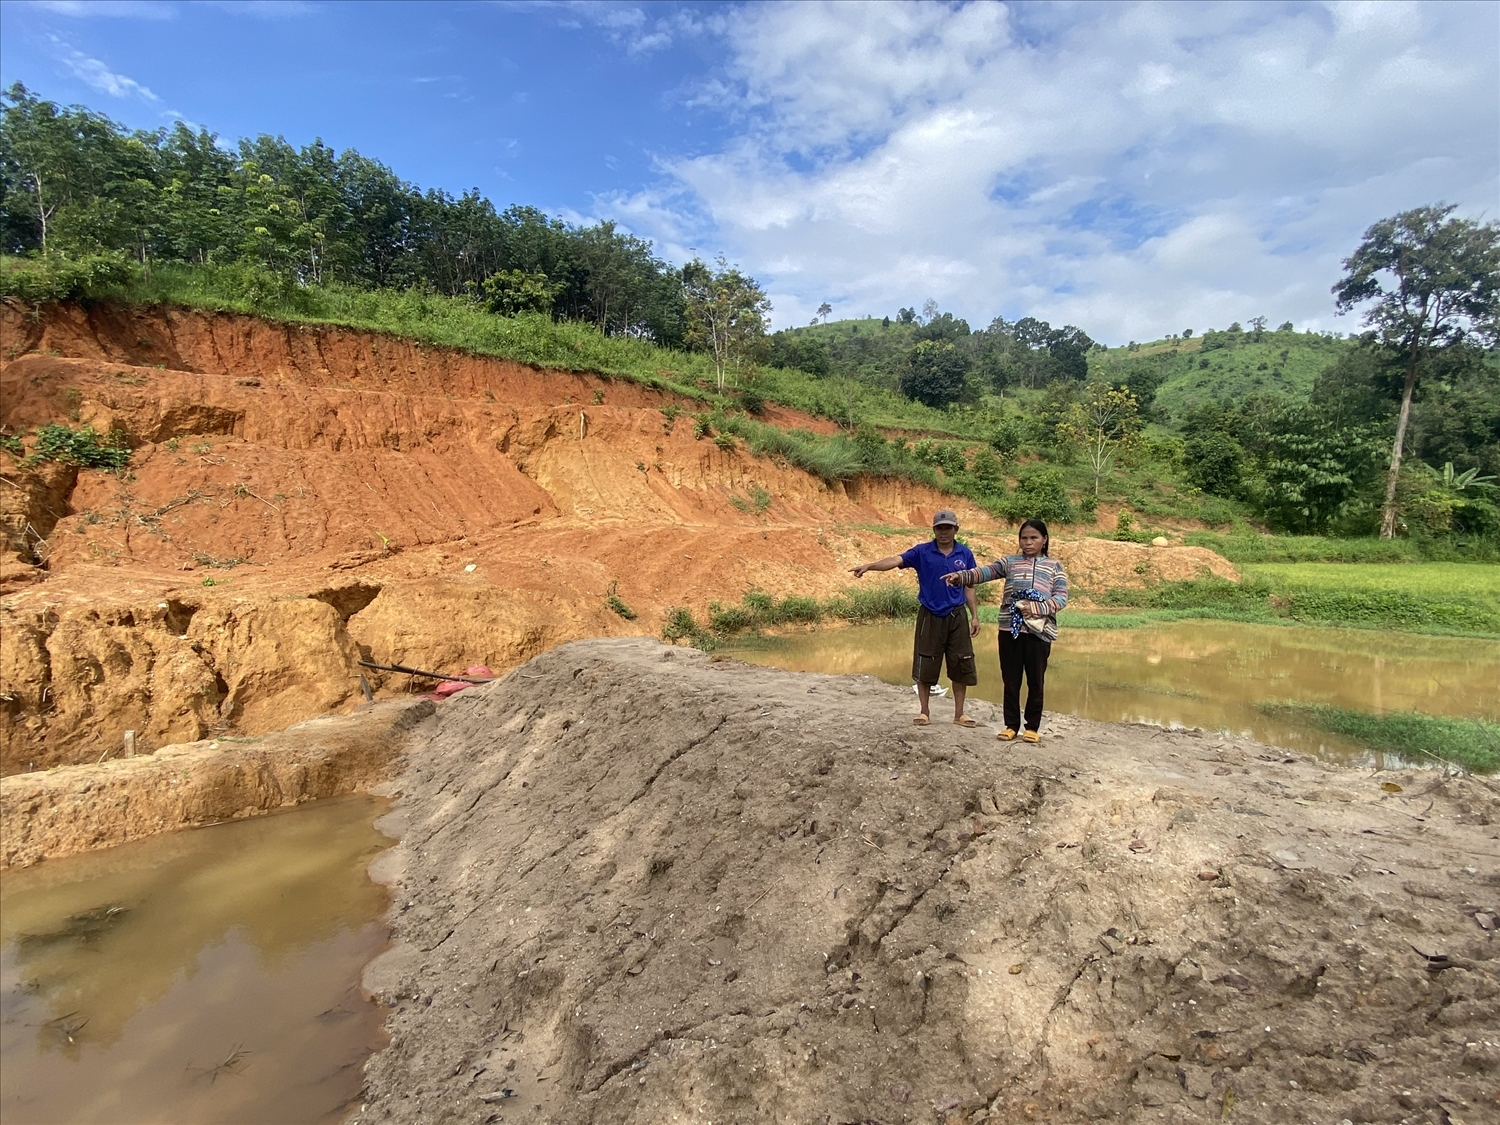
(452,687)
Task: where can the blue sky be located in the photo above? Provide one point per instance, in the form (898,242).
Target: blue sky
(1134,169)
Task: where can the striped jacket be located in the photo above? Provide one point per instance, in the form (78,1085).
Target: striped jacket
(1043,574)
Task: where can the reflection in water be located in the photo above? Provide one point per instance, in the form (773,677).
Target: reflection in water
(1209,674)
(208,975)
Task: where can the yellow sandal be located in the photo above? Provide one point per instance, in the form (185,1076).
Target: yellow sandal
(1007,735)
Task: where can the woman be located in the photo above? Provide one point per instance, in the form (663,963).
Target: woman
(1035,589)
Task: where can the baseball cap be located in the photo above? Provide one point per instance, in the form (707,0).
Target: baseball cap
(944,515)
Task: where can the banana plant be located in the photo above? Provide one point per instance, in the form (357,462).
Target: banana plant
(1469,478)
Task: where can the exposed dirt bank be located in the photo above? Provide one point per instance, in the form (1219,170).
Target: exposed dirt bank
(299,496)
(639,884)
(75,809)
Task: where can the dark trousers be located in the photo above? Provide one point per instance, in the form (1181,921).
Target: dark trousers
(1027,654)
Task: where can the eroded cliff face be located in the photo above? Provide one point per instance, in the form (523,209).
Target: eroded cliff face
(300,496)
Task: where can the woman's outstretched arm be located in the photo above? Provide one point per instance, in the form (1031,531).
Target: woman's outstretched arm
(976,575)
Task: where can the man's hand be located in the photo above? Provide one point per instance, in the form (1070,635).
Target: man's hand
(974,626)
(859,570)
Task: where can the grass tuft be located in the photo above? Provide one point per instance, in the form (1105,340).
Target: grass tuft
(1473,743)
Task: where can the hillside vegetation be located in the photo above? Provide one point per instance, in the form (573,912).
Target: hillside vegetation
(1238,429)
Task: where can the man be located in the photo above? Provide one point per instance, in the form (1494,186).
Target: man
(948,620)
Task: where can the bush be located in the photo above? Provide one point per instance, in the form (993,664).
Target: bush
(943,455)
(988,473)
(1040,494)
(1007,437)
(682,625)
(82,447)
(38,280)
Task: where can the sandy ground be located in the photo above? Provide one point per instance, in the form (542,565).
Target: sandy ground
(641,884)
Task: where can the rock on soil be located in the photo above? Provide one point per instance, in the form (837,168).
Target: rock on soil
(641,884)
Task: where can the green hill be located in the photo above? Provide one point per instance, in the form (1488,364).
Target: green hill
(1224,366)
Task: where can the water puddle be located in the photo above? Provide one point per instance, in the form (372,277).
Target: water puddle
(210,975)
(1211,674)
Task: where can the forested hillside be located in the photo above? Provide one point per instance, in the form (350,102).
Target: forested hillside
(1237,426)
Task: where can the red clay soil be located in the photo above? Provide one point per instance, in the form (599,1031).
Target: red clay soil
(301,496)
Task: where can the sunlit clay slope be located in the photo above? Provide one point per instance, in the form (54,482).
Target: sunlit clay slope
(300,496)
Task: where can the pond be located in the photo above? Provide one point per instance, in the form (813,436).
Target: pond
(1210,674)
(209,975)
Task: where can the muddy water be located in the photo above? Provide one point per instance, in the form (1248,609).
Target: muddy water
(1210,674)
(202,976)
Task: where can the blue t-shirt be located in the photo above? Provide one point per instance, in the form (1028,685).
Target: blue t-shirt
(930,565)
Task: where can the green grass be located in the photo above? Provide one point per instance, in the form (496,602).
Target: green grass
(758,611)
(1453,599)
(1435,579)
(1245,545)
(1474,743)
(1079,619)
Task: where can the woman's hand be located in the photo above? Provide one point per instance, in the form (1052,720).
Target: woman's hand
(1029,609)
(954,579)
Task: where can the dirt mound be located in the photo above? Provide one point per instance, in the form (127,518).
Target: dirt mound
(640,884)
(1101,564)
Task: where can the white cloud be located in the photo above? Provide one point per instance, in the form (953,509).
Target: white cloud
(627,25)
(96,73)
(1134,169)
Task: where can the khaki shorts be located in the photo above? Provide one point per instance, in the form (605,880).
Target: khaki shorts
(940,638)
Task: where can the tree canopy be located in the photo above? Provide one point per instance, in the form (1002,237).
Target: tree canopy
(74,183)
(1431,283)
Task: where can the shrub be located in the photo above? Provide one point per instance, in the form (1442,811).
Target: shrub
(613,601)
(987,472)
(38,280)
(1040,494)
(82,447)
(682,625)
(1007,437)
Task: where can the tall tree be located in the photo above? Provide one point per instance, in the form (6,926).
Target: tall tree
(1103,422)
(1434,281)
(726,312)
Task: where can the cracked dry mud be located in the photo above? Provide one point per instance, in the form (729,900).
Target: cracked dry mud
(638,884)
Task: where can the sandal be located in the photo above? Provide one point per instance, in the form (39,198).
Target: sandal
(922,721)
(1007,735)
(1032,736)
(965,721)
